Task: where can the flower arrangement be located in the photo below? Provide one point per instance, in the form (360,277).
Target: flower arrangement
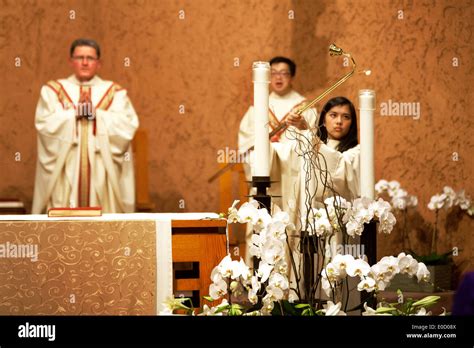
(447,199)
(268,289)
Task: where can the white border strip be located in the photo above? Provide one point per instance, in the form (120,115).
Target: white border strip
(164,263)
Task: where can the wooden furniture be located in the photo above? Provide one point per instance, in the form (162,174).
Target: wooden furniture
(11,206)
(143,202)
(233,186)
(198,246)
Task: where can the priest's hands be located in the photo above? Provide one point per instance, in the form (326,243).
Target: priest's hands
(296,120)
(85,108)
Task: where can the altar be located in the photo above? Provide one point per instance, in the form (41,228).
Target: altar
(116,264)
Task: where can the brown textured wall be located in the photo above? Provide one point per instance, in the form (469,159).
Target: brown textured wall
(190,62)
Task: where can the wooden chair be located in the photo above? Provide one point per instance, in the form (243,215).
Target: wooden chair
(233,185)
(143,202)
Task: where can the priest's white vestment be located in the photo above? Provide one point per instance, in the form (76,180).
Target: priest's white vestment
(88,161)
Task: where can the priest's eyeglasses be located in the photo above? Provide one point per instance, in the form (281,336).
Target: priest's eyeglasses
(89,59)
(284,74)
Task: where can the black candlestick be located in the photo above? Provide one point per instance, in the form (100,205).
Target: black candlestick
(369,240)
(261,183)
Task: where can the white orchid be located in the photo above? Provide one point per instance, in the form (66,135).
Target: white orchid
(407,264)
(379,207)
(462,200)
(368,284)
(436,202)
(277,230)
(264,270)
(393,185)
(292,297)
(274,251)
(229,268)
(390,263)
(267,304)
(331,309)
(422,272)
(232,213)
(400,199)
(211,311)
(422,312)
(332,272)
(450,196)
(370,311)
(342,263)
(262,220)
(218,289)
(381,186)
(358,267)
(281,216)
(277,280)
(248,212)
(252,296)
(236,288)
(387,222)
(364,210)
(354,227)
(225,266)
(322,226)
(275,292)
(281,267)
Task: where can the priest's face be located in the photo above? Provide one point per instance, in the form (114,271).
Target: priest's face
(338,121)
(84,62)
(280,78)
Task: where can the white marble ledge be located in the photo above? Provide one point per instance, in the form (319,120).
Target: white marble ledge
(114,217)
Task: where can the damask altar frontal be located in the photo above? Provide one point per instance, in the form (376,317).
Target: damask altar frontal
(117,264)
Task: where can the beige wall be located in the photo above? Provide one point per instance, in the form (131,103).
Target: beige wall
(190,62)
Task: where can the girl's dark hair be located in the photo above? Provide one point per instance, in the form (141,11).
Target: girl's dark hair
(351,139)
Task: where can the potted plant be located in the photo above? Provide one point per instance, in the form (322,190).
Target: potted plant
(266,290)
(439,263)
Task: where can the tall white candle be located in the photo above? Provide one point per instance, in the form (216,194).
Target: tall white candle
(261,80)
(367,168)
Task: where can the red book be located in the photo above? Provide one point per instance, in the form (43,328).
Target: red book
(75,212)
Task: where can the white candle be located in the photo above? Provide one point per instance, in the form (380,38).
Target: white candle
(367,169)
(261,80)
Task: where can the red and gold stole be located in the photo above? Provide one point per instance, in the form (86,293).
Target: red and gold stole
(85,168)
(84,163)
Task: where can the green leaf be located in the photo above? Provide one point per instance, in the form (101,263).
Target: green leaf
(288,309)
(209,298)
(384,310)
(222,308)
(427,301)
(302,305)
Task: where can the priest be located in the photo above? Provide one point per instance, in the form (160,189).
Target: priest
(85,127)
